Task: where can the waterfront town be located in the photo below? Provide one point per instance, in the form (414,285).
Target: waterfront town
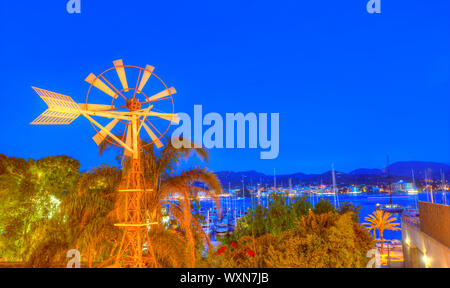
(403,223)
(225,134)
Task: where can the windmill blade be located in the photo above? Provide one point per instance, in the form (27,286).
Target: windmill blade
(162,94)
(95,107)
(114,137)
(100,136)
(121,73)
(167,116)
(62,110)
(152,136)
(147,73)
(128,141)
(93,80)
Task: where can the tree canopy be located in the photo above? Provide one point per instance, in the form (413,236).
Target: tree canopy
(30,194)
(296,235)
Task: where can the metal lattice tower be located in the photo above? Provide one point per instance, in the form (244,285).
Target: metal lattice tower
(131,109)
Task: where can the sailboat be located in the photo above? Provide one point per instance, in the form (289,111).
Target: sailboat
(412,190)
(222,227)
(391,207)
(208,226)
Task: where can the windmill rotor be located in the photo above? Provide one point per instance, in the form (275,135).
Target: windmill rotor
(136,101)
(129,107)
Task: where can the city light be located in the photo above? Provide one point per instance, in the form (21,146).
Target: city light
(426,261)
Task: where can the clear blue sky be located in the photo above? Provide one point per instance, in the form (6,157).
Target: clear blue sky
(350,86)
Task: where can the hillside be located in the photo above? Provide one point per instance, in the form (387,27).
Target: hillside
(399,171)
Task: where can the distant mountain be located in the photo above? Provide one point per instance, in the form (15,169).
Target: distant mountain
(399,171)
(364,171)
(405,169)
(235,178)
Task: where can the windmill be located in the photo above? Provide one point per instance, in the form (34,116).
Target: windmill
(130,110)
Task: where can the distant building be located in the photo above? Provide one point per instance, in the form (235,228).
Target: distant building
(403,187)
(353,190)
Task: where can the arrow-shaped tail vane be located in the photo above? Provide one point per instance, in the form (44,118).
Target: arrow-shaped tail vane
(62,110)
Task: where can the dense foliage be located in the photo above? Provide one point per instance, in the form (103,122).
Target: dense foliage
(296,235)
(30,194)
(48,207)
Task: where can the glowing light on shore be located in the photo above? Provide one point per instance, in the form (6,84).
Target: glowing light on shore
(426,261)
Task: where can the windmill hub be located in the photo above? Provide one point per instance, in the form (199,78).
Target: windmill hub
(133,104)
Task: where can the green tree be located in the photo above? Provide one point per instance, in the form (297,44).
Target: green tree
(275,219)
(296,235)
(327,240)
(28,199)
(349,207)
(324,206)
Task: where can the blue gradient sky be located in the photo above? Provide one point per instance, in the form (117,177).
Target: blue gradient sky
(350,86)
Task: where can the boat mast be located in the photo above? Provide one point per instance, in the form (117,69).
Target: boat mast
(242,186)
(288,197)
(389,181)
(235,201)
(260,187)
(431,186)
(229,200)
(207,220)
(444,200)
(428,187)
(334,184)
(274,180)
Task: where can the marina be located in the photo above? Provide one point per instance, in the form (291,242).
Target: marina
(234,208)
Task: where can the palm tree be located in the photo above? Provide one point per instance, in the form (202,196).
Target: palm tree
(380,221)
(161,172)
(90,213)
(87,216)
